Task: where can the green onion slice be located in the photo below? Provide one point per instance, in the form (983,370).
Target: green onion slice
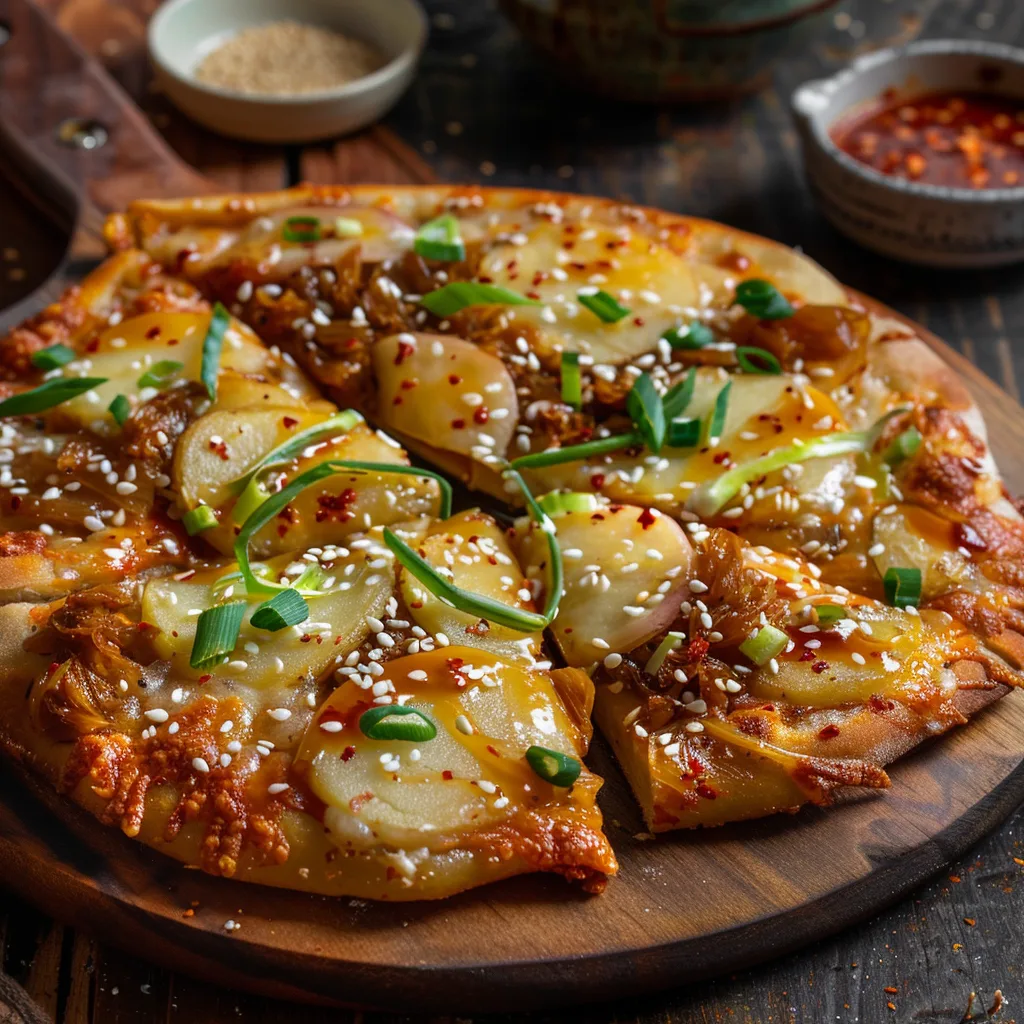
(553,766)
(643,403)
(671,641)
(903,447)
(558,502)
(902,587)
(829,613)
(458,295)
(572,381)
(683,433)
(578,452)
(197,519)
(53,358)
(439,239)
(763,300)
(301,229)
(716,421)
(212,344)
(397,722)
(604,306)
(696,335)
(216,634)
(283,610)
(120,408)
(159,373)
(538,515)
(340,423)
(768,643)
(678,397)
(249,500)
(757,360)
(48,394)
(347,227)
(713,495)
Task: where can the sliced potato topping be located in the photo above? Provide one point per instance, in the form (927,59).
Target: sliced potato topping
(337,624)
(474,550)
(447,392)
(471,775)
(626,571)
(221,447)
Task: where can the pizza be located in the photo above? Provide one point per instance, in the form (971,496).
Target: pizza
(741,518)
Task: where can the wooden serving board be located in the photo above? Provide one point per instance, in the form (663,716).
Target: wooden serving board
(684,906)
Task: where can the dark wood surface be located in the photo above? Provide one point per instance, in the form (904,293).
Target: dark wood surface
(485,109)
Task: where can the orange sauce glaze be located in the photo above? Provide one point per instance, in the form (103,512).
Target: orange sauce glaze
(958,140)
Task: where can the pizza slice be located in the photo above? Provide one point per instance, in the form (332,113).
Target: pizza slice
(732,681)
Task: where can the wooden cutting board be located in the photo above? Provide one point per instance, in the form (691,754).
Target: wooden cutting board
(684,906)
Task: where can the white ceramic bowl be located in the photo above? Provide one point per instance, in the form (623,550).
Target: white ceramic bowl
(907,220)
(183,32)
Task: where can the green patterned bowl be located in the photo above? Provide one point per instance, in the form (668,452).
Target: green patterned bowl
(667,50)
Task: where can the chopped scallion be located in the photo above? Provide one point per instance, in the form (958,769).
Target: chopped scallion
(216,634)
(694,336)
(716,421)
(397,722)
(572,381)
(444,302)
(578,452)
(120,408)
(301,229)
(683,433)
(553,766)
(159,373)
(643,403)
(671,641)
(53,358)
(555,582)
(286,609)
(212,345)
(197,519)
(768,643)
(439,239)
(347,227)
(558,502)
(763,300)
(604,306)
(829,613)
(757,360)
(903,447)
(48,394)
(902,587)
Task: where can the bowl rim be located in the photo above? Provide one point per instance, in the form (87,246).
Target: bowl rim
(394,68)
(726,28)
(806,103)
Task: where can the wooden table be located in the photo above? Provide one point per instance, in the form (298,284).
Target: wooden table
(483,109)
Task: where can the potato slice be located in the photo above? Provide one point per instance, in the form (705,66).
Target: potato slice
(470,776)
(282,658)
(626,572)
(125,352)
(222,446)
(447,392)
(475,550)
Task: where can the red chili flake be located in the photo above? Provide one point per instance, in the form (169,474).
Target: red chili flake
(704,790)
(481,414)
(819,667)
(597,481)
(453,379)
(970,921)
(93,345)
(397,400)
(15,503)
(647,518)
(447,775)
(336,507)
(485,280)
(288,422)
(153,332)
(458,424)
(205,679)
(891,989)
(533,295)
(829,732)
(638,320)
(348,753)
(491,750)
(405,349)
(808,656)
(220,449)
(697,649)
(721,457)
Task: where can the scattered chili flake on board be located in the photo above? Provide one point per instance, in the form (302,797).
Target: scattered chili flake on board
(970,921)
(958,140)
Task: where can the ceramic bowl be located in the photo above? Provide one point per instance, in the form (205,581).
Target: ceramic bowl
(908,220)
(183,32)
(667,50)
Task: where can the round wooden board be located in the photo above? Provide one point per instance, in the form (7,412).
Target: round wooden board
(685,906)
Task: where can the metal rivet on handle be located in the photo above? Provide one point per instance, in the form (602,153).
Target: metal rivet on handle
(82,133)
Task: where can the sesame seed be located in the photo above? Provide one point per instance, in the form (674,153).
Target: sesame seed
(694,727)
(279,714)
(277,787)
(200,765)
(463,724)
